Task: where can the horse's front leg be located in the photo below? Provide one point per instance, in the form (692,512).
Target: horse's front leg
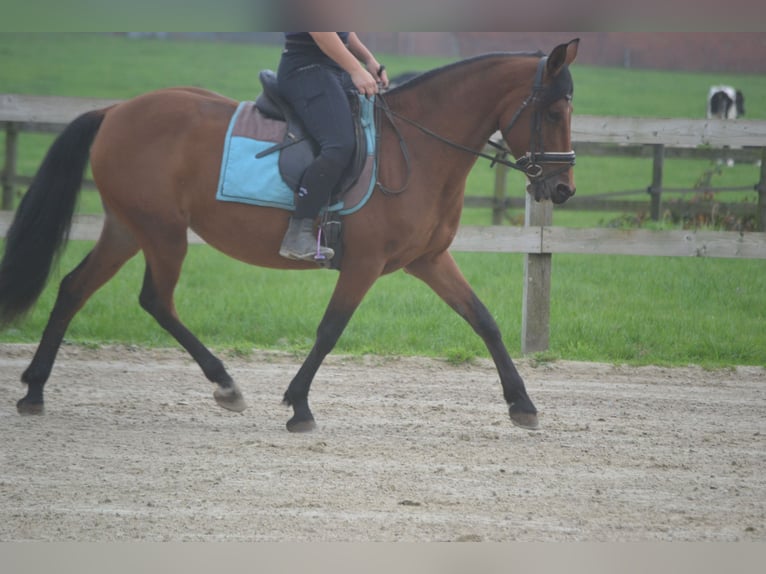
(441,273)
(349,292)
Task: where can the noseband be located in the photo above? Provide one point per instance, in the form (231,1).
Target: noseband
(531,163)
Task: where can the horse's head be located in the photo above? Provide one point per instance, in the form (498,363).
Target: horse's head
(538,132)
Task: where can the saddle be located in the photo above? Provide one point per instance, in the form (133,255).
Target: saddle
(298,149)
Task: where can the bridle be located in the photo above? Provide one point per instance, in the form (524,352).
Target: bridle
(531,163)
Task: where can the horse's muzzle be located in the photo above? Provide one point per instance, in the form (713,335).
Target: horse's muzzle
(557,192)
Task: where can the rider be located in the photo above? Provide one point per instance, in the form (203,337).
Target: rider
(316,71)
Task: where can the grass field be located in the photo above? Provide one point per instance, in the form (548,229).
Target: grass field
(615,309)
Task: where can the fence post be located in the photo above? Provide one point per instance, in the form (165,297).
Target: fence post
(761,188)
(498,203)
(536,302)
(8,174)
(655,190)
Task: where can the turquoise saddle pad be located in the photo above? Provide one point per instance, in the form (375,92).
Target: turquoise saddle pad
(257,181)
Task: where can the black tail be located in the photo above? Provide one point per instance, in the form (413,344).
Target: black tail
(42,221)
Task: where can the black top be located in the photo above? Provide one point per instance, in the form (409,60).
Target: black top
(305,37)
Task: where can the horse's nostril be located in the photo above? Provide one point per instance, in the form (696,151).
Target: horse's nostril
(562,193)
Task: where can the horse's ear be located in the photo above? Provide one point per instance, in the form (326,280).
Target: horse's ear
(562,55)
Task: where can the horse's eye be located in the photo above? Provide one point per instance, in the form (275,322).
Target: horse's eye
(553,116)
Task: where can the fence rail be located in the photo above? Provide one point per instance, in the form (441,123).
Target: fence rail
(538,239)
(544,240)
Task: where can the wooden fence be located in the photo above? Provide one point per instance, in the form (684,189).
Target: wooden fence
(654,193)
(538,239)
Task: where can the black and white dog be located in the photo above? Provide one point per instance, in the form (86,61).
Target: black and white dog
(725,103)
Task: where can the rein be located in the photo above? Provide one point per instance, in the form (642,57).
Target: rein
(531,163)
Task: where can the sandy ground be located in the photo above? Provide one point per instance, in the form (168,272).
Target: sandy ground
(133,447)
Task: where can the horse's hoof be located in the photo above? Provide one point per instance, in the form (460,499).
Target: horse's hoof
(525,420)
(299,426)
(25,407)
(230,398)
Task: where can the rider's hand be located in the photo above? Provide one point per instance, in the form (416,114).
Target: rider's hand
(364,82)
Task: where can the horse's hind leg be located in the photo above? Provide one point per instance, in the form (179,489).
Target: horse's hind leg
(443,276)
(162,272)
(112,250)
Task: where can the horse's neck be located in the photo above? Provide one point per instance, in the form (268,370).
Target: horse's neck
(462,104)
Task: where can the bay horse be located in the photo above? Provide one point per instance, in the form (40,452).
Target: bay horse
(155,160)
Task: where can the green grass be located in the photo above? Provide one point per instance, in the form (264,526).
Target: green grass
(637,310)
(677,309)
(617,309)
